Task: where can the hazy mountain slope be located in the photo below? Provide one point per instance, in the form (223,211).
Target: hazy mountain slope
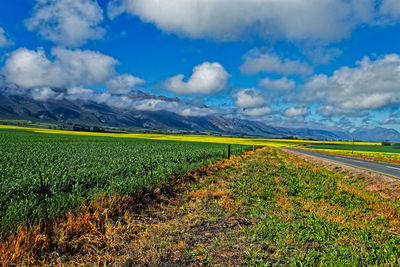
(370,133)
(319,134)
(91,113)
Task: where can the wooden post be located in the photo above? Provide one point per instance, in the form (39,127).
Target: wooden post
(253,148)
(44,203)
(229,151)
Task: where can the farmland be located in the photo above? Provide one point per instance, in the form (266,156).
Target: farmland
(191,138)
(78,168)
(388,154)
(349,147)
(263,207)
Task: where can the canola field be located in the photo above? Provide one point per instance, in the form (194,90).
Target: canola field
(193,138)
(77,168)
(359,148)
(369,155)
(390,154)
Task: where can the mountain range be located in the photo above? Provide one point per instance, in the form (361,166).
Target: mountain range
(19,106)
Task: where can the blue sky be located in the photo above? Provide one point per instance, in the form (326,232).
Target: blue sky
(331,63)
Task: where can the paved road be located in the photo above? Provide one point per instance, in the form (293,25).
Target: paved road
(382,168)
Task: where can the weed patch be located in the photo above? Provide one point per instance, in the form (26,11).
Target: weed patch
(306,215)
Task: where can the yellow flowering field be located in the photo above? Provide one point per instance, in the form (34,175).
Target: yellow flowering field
(191,138)
(360,154)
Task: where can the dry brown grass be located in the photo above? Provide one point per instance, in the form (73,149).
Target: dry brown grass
(283,202)
(336,213)
(291,159)
(95,227)
(214,191)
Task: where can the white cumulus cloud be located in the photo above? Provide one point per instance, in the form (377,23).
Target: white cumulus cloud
(249,98)
(257,111)
(283,84)
(370,85)
(256,61)
(206,79)
(391,8)
(327,20)
(295,111)
(68,23)
(85,66)
(81,93)
(28,68)
(175,107)
(43,94)
(67,68)
(123,84)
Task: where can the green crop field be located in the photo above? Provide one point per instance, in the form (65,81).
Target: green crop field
(371,148)
(78,168)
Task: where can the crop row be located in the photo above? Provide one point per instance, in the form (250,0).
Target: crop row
(77,168)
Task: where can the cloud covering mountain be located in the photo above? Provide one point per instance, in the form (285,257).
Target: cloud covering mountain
(144,111)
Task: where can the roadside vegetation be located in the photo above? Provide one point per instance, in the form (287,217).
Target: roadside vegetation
(293,213)
(309,216)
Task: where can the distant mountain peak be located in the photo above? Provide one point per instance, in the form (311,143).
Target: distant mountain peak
(374,133)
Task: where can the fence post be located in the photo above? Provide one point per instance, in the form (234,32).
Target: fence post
(229,151)
(44,203)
